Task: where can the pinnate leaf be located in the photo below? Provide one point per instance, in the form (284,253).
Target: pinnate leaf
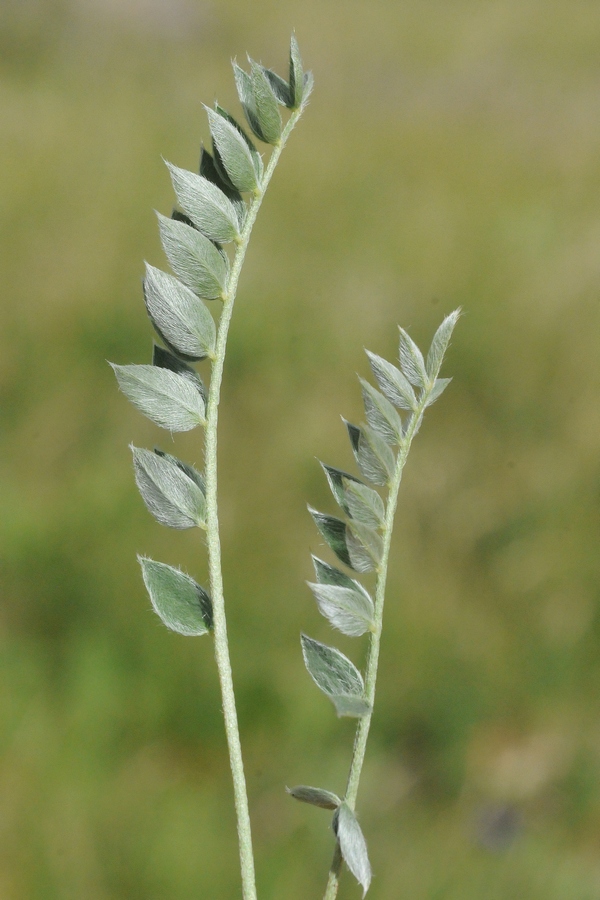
(439,344)
(353,845)
(392,382)
(194,258)
(348,609)
(314,796)
(171,495)
(206,205)
(182,605)
(179,316)
(167,398)
(336,676)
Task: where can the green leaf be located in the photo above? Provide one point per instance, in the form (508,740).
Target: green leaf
(256,157)
(209,170)
(314,796)
(169,399)
(336,676)
(381,414)
(334,532)
(179,316)
(348,609)
(265,105)
(364,547)
(439,344)
(164,359)
(234,151)
(296,74)
(194,258)
(188,470)
(364,504)
(173,498)
(353,845)
(327,574)
(279,86)
(374,457)
(439,386)
(392,382)
(243,83)
(335,479)
(181,604)
(206,205)
(411,361)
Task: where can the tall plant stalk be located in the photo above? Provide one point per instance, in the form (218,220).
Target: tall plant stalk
(363,544)
(214,212)
(213,539)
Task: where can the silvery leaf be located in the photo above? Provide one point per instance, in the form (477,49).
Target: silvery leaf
(411,361)
(363,504)
(374,457)
(188,470)
(179,316)
(396,386)
(364,547)
(243,83)
(336,676)
(167,398)
(164,359)
(173,498)
(210,171)
(265,105)
(353,845)
(314,796)
(381,414)
(327,574)
(194,258)
(206,205)
(296,74)
(439,386)
(349,610)
(234,151)
(439,344)
(256,157)
(182,605)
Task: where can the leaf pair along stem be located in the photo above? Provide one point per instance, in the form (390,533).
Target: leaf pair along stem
(212,530)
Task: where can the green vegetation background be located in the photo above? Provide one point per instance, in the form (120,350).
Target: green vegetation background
(450,156)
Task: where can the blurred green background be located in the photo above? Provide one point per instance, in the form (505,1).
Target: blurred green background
(450,156)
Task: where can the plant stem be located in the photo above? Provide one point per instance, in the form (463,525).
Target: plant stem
(213,540)
(364,724)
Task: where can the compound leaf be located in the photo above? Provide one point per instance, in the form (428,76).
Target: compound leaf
(167,398)
(182,605)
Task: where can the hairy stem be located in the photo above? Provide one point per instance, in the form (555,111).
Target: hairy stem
(213,540)
(364,724)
